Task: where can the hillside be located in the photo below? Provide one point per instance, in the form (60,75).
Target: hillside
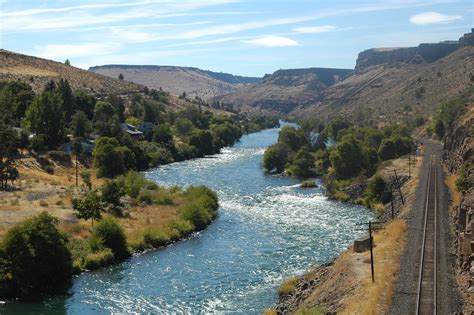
(284,90)
(396,92)
(38,71)
(195,82)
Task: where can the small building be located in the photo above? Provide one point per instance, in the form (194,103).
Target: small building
(87,146)
(132,131)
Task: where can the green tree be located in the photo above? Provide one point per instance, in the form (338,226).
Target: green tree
(80,124)
(107,160)
(111,193)
(275,157)
(121,77)
(85,102)
(103,111)
(89,207)
(293,138)
(202,140)
(347,158)
(112,235)
(163,135)
(35,258)
(64,89)
(184,126)
(67,62)
(8,152)
(45,116)
(303,165)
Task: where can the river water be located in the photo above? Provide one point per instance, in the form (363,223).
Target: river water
(267,229)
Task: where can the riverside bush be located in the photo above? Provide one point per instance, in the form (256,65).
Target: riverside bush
(98,259)
(34,258)
(111,233)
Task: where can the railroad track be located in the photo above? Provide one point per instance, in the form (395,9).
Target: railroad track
(426,302)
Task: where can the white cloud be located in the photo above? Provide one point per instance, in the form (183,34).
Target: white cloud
(272,41)
(70,51)
(428,18)
(315,29)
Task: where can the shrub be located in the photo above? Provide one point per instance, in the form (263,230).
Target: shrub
(113,237)
(43,203)
(34,257)
(133,182)
(145,197)
(98,259)
(308,184)
(181,227)
(375,189)
(288,286)
(49,169)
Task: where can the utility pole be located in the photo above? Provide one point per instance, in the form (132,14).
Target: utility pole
(371,228)
(399,186)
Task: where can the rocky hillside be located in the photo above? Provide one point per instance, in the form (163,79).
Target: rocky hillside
(38,71)
(459,160)
(396,91)
(195,82)
(284,90)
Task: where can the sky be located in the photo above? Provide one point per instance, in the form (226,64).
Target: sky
(244,37)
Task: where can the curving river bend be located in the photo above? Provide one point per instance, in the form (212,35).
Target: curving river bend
(267,229)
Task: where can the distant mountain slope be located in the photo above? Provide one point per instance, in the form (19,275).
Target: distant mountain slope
(285,90)
(195,82)
(37,71)
(396,91)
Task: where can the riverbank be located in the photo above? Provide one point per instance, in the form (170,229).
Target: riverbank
(151,217)
(344,285)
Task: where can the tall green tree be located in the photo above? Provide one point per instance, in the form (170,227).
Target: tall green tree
(45,116)
(107,160)
(276,157)
(80,124)
(64,89)
(8,151)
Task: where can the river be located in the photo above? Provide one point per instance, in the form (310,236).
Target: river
(267,229)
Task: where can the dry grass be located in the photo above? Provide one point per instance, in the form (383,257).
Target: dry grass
(455,194)
(288,286)
(375,298)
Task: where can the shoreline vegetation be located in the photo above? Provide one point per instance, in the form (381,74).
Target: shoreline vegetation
(84,204)
(343,285)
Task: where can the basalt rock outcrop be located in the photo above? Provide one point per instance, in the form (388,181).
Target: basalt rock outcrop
(459,159)
(424,53)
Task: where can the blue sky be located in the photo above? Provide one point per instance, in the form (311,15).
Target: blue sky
(246,37)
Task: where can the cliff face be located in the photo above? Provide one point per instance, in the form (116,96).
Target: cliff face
(424,53)
(284,90)
(459,159)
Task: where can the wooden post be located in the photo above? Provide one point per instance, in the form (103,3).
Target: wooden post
(391,201)
(76,171)
(409,164)
(399,187)
(371,252)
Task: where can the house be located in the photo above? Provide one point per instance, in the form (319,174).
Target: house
(87,146)
(132,131)
(147,129)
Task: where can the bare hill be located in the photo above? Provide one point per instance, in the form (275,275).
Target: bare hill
(195,82)
(284,90)
(38,71)
(395,92)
